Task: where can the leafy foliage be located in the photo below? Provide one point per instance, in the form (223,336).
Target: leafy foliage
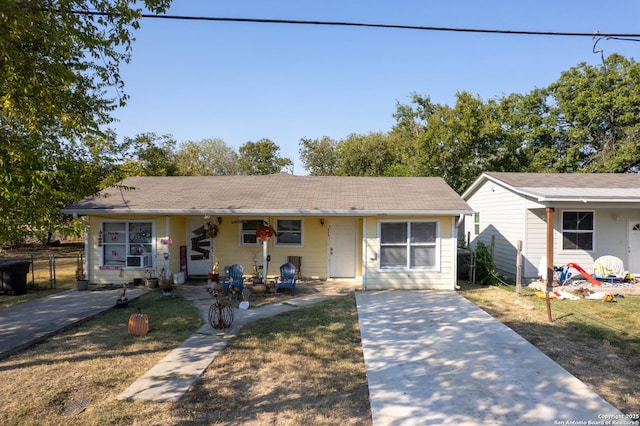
(262,158)
(58,60)
(484,264)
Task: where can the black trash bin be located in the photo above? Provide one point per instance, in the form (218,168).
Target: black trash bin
(13,276)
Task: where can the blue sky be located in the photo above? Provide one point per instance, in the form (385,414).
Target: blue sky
(246,81)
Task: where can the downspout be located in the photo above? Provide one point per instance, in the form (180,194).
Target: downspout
(364,253)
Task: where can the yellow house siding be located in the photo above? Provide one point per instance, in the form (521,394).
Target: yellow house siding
(228,248)
(440,279)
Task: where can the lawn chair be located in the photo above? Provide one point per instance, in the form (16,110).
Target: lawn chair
(234,278)
(287,278)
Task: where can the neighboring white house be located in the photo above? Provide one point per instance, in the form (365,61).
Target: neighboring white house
(594,215)
(388,232)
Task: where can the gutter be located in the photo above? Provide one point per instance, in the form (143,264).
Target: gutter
(268,212)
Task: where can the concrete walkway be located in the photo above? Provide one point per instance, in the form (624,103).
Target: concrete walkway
(27,323)
(435,358)
(172,377)
(431,357)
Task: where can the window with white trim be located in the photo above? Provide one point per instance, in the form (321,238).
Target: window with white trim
(248,230)
(289,232)
(476,223)
(409,245)
(577,230)
(127,244)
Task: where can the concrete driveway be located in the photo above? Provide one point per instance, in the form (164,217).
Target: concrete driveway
(434,358)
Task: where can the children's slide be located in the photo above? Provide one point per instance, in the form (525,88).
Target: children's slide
(585,274)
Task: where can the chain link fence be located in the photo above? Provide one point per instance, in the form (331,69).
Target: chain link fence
(48,268)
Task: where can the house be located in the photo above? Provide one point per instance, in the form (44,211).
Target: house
(387,232)
(593,215)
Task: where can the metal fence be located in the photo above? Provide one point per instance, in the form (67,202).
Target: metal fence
(49,270)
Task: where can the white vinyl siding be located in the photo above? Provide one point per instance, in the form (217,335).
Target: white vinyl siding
(502,216)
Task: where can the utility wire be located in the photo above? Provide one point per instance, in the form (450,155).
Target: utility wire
(627,36)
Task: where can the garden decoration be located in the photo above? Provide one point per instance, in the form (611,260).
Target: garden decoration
(138,324)
(122,301)
(220,314)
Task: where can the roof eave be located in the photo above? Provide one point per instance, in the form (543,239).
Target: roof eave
(263,212)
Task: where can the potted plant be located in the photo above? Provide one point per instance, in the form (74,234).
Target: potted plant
(164,283)
(151,280)
(214,275)
(82,283)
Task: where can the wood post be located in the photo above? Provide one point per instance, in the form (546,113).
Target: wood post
(550,211)
(519,267)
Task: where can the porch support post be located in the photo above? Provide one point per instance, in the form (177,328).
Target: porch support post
(550,211)
(167,269)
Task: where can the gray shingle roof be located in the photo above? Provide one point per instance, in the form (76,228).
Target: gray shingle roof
(277,194)
(573,186)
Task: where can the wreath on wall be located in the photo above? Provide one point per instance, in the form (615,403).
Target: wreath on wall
(211,230)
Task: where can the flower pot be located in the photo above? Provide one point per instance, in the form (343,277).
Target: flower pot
(151,282)
(82,285)
(164,284)
(259,288)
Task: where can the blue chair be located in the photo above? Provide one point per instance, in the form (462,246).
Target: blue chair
(234,278)
(287,278)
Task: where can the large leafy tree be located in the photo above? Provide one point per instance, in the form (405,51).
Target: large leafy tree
(319,156)
(599,115)
(262,158)
(364,155)
(208,157)
(148,154)
(59,83)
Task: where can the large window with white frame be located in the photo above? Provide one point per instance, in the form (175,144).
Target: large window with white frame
(409,245)
(289,232)
(127,244)
(577,230)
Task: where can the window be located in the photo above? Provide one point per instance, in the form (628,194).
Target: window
(476,223)
(127,244)
(409,245)
(248,230)
(289,232)
(577,230)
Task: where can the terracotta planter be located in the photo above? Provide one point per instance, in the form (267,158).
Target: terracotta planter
(151,282)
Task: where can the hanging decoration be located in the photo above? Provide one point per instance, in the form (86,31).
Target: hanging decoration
(264,233)
(211,230)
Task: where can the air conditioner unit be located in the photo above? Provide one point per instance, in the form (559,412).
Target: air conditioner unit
(138,261)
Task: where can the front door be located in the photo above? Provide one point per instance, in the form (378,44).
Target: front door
(343,243)
(634,247)
(200,248)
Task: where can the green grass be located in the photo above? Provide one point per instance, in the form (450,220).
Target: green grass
(93,361)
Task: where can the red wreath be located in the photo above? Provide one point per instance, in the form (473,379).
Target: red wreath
(264,233)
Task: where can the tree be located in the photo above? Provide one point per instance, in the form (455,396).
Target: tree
(150,155)
(262,158)
(364,155)
(208,157)
(319,156)
(599,114)
(58,61)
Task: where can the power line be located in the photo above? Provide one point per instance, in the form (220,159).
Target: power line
(620,36)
